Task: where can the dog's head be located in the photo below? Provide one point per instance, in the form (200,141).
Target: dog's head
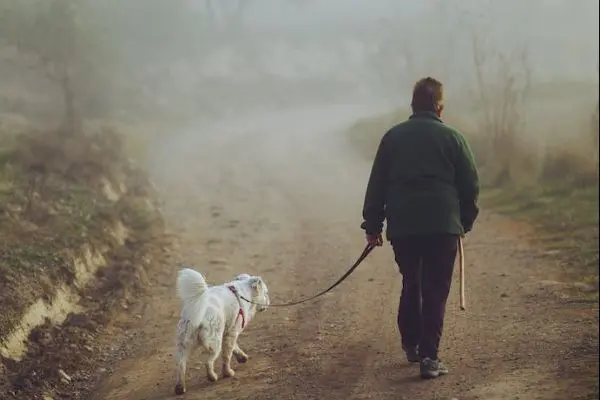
(260,291)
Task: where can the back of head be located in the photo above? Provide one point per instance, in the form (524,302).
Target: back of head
(428,95)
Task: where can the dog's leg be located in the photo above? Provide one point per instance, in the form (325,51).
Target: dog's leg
(239,354)
(228,346)
(183,350)
(213,349)
(181,355)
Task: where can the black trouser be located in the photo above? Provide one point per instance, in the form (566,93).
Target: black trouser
(426,263)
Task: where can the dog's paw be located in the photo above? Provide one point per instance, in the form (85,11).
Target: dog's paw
(228,373)
(212,376)
(179,389)
(241,358)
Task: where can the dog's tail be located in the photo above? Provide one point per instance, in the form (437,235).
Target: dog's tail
(190,284)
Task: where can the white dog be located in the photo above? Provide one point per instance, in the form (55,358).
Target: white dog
(213,317)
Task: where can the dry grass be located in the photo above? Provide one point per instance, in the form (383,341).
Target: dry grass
(52,202)
(566,215)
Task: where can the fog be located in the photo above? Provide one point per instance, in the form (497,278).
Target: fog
(196,61)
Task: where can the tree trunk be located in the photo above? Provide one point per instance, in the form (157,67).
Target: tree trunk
(70,123)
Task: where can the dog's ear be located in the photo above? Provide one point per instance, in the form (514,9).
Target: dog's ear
(242,277)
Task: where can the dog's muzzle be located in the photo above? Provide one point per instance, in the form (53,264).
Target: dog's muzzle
(264,305)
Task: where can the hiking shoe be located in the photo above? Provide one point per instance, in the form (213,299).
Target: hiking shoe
(412,354)
(431,369)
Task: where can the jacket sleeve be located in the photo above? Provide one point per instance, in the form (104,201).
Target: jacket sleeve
(375,196)
(467,183)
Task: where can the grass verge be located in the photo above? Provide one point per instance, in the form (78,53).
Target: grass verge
(58,196)
(364,135)
(566,215)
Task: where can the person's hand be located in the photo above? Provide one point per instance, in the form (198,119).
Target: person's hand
(375,240)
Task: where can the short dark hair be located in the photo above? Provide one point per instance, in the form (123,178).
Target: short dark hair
(428,95)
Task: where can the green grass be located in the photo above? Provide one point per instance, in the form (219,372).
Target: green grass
(566,217)
(364,136)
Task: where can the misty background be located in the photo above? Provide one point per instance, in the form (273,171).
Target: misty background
(195,60)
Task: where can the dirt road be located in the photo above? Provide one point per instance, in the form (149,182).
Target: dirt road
(280,195)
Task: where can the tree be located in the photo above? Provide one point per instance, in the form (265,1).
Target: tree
(502,88)
(502,85)
(55,34)
(595,130)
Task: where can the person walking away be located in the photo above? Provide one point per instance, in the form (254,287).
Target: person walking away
(425,185)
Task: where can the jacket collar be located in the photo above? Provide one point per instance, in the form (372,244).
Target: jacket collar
(426,115)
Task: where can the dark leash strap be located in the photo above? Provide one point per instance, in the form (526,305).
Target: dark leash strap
(360,259)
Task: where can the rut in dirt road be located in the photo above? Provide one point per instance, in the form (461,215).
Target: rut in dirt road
(280,196)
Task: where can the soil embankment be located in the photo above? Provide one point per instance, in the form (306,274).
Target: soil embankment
(77,229)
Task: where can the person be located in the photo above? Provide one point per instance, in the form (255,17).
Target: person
(425,185)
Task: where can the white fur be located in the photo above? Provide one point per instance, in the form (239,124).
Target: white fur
(210,320)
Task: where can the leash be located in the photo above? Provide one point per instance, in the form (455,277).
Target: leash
(360,259)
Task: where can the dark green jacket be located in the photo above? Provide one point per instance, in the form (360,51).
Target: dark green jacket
(423,181)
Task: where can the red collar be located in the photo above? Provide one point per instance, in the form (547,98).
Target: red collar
(241,311)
